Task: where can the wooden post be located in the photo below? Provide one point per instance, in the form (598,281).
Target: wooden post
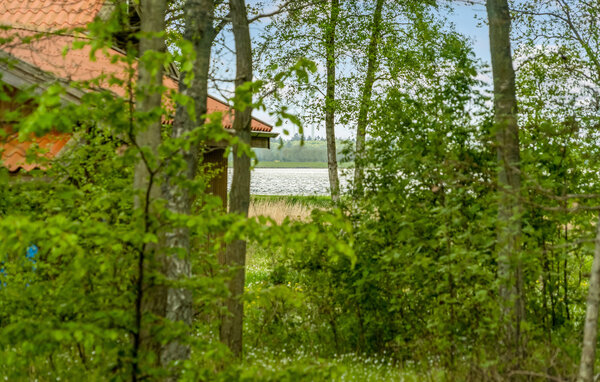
(216,163)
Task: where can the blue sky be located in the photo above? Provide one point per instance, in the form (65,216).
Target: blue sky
(467,20)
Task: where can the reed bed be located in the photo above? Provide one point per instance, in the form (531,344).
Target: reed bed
(280,207)
(279,210)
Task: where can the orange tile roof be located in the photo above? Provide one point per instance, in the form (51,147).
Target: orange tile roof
(46,15)
(47,53)
(48,147)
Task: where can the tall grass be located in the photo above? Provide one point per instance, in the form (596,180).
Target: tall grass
(311,201)
(294,207)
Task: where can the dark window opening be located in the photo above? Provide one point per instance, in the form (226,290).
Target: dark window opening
(126,39)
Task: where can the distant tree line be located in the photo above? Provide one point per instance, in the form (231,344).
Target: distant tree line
(311,150)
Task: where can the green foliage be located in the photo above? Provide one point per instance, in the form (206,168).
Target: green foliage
(72,310)
(417,275)
(559,149)
(397,282)
(421,286)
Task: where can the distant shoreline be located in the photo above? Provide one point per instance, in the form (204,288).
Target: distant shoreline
(297,165)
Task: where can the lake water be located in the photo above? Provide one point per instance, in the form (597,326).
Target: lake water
(290,181)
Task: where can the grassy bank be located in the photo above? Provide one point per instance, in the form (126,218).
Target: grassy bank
(313,201)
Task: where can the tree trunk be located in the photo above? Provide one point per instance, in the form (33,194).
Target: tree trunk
(150,297)
(363,113)
(334,182)
(198,17)
(235,253)
(509,181)
(590,330)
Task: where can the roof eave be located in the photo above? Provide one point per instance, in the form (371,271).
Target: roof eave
(20,74)
(265,134)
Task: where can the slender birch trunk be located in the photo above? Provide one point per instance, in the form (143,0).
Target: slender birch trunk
(330,58)
(590,330)
(150,297)
(367,91)
(235,253)
(198,17)
(509,181)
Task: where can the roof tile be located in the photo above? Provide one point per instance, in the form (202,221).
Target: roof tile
(45,15)
(14,155)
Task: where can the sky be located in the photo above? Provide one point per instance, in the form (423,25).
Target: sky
(467,20)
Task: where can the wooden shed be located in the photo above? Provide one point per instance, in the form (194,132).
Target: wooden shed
(50,26)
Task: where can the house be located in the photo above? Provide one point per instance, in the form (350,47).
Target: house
(52,25)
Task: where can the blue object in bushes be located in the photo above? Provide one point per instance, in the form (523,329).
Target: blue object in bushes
(32,250)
